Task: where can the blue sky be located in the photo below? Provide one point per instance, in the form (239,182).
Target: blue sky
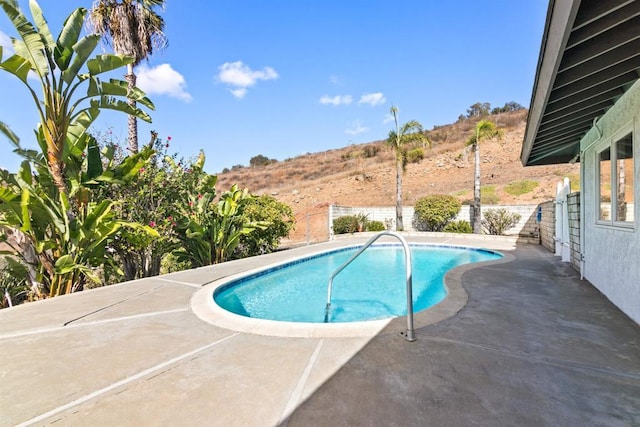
(287,77)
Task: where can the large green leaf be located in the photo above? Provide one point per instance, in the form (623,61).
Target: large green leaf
(107,62)
(68,37)
(18,66)
(41,25)
(121,88)
(4,129)
(81,122)
(98,213)
(31,47)
(83,49)
(65,264)
(24,207)
(111,103)
(94,160)
(10,209)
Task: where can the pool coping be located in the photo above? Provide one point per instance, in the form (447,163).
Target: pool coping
(204,307)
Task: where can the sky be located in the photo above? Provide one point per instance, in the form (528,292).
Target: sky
(282,78)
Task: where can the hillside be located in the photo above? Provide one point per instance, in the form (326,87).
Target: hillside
(364,175)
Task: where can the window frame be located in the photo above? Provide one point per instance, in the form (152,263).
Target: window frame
(611,144)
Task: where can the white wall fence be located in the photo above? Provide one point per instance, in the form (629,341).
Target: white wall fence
(527,226)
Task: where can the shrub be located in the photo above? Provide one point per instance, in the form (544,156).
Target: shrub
(345,224)
(460,226)
(259,160)
(353,224)
(433,213)
(265,209)
(497,221)
(370,151)
(517,188)
(415,155)
(376,226)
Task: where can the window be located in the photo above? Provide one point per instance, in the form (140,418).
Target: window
(605,185)
(615,182)
(624,180)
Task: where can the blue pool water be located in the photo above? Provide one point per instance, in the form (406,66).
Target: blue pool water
(372,287)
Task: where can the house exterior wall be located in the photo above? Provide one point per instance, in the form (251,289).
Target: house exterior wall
(612,254)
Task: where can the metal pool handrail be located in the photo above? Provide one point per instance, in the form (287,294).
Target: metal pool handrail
(410,335)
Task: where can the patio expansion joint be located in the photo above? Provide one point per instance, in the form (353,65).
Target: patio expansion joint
(296,394)
(92,323)
(68,322)
(152,370)
(178,282)
(554,361)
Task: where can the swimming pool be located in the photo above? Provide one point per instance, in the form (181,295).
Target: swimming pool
(371,288)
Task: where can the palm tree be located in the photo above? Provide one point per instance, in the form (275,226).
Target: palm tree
(410,132)
(485,129)
(134,29)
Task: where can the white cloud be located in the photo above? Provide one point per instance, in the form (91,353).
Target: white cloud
(239,93)
(334,79)
(240,77)
(336,100)
(388,118)
(373,99)
(356,128)
(162,80)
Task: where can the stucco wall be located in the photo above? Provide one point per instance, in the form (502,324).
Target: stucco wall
(612,254)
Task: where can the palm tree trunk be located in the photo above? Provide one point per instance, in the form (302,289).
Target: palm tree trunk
(399,224)
(476,219)
(132,121)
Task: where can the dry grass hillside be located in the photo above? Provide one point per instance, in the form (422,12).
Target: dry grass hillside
(364,175)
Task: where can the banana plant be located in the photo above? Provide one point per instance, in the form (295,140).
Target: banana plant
(62,67)
(211,231)
(69,247)
(50,205)
(230,225)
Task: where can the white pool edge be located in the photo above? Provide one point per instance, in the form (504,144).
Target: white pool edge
(205,308)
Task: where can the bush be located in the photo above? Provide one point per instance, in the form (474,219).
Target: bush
(265,209)
(497,221)
(433,213)
(376,226)
(345,224)
(517,188)
(460,226)
(415,155)
(370,151)
(259,160)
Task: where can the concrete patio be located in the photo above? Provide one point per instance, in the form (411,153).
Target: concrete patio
(521,342)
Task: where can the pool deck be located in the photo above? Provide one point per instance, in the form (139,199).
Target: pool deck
(529,344)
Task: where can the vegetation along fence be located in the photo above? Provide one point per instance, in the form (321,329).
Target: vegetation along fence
(536,221)
(527,226)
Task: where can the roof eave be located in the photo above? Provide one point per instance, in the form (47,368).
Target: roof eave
(560,17)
